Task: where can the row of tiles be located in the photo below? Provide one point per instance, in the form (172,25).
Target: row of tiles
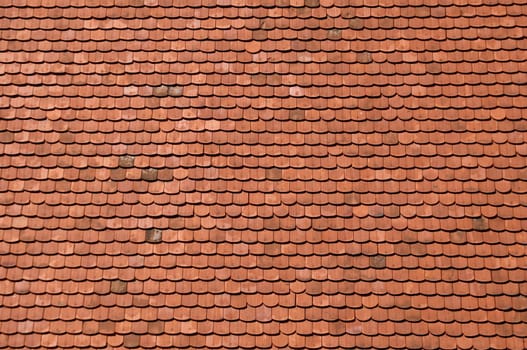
(151,85)
(297,134)
(404,243)
(508,296)
(259,268)
(369,223)
(476,280)
(96,59)
(271,187)
(134,84)
(381,322)
(410,44)
(300,126)
(417,322)
(138,295)
(259,188)
(267,258)
(384,121)
(256,97)
(117,206)
(374,110)
(379,160)
(496,127)
(251,4)
(291,65)
(165,295)
(362,61)
(452,276)
(502,250)
(352,64)
(105,202)
(292,102)
(46,292)
(284,257)
(335,31)
(223,192)
(164,91)
(503,17)
(231,11)
(467,9)
(286,341)
(367,164)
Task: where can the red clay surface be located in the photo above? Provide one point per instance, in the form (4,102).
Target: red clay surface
(263,174)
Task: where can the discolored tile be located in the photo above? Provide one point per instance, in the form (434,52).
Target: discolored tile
(364,57)
(153,235)
(356,23)
(160,91)
(260,34)
(175,91)
(273,174)
(433,68)
(126,161)
(297,114)
(378,261)
(311,3)
(131,341)
(480,224)
(22,287)
(118,286)
(334,34)
(149,174)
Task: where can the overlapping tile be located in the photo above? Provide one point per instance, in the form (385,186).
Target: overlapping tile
(273,174)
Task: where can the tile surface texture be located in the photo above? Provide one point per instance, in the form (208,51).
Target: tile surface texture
(306,174)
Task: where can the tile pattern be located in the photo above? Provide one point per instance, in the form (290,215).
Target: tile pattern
(263,174)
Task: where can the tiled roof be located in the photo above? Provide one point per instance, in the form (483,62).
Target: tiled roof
(263,174)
